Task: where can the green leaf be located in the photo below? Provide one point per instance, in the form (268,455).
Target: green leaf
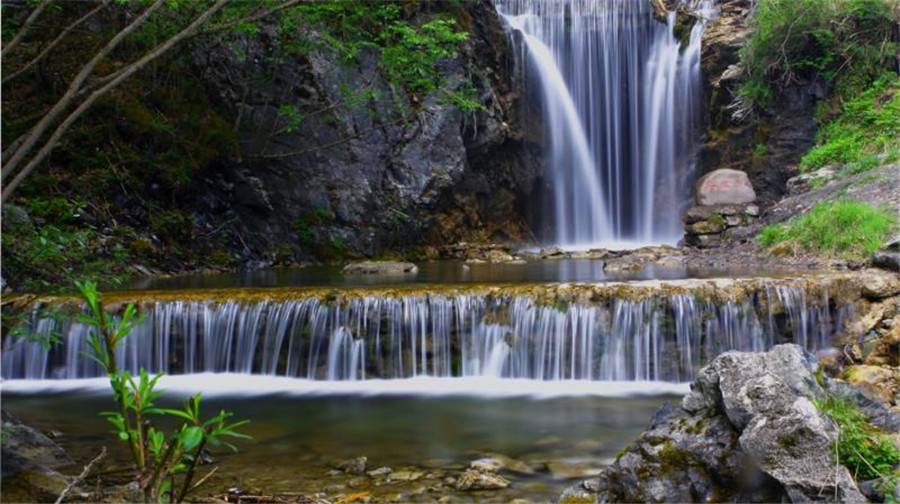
(173,412)
(191,437)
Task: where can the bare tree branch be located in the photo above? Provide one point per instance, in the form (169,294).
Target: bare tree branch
(332,144)
(130,70)
(35,133)
(46,50)
(84,474)
(25,27)
(252,17)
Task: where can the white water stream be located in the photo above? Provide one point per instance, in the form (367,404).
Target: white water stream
(620,101)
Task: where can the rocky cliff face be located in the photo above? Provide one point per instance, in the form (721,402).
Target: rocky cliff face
(376,175)
(767,145)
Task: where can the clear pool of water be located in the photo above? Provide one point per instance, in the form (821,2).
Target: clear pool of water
(298,439)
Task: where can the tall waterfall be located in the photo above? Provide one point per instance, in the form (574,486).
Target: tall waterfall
(620,101)
(662,337)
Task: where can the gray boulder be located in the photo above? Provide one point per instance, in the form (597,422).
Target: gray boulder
(886,259)
(725,187)
(748,431)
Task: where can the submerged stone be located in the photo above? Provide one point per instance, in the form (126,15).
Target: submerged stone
(353,466)
(478,480)
(380,268)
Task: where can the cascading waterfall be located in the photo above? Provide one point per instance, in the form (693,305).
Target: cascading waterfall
(664,337)
(620,98)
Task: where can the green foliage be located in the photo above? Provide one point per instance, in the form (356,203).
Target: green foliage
(867,130)
(847,42)
(161,459)
(49,257)
(409,54)
(868,452)
(843,228)
(172,226)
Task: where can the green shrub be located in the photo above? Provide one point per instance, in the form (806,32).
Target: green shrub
(173,226)
(868,452)
(866,132)
(50,257)
(844,228)
(166,463)
(847,42)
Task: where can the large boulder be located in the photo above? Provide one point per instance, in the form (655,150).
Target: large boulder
(748,431)
(725,187)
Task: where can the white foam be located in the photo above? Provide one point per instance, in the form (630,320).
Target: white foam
(235,384)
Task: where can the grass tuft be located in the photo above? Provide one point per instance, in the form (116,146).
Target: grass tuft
(866,451)
(843,228)
(865,135)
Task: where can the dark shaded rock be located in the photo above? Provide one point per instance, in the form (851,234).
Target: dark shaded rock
(25,446)
(390,173)
(886,260)
(16,217)
(30,460)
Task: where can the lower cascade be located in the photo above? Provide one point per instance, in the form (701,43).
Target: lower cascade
(607,332)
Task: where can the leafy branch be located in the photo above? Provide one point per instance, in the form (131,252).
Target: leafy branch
(158,457)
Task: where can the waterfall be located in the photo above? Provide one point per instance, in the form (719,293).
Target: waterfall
(620,101)
(660,337)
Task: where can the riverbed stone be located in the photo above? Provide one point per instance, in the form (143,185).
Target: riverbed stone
(479,480)
(886,349)
(406,475)
(380,472)
(380,268)
(725,187)
(877,284)
(353,466)
(499,256)
(879,383)
(627,263)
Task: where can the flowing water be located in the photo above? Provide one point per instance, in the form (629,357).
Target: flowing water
(422,378)
(620,98)
(529,332)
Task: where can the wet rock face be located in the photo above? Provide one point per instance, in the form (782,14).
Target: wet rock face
(747,432)
(30,460)
(711,226)
(382,177)
(768,146)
